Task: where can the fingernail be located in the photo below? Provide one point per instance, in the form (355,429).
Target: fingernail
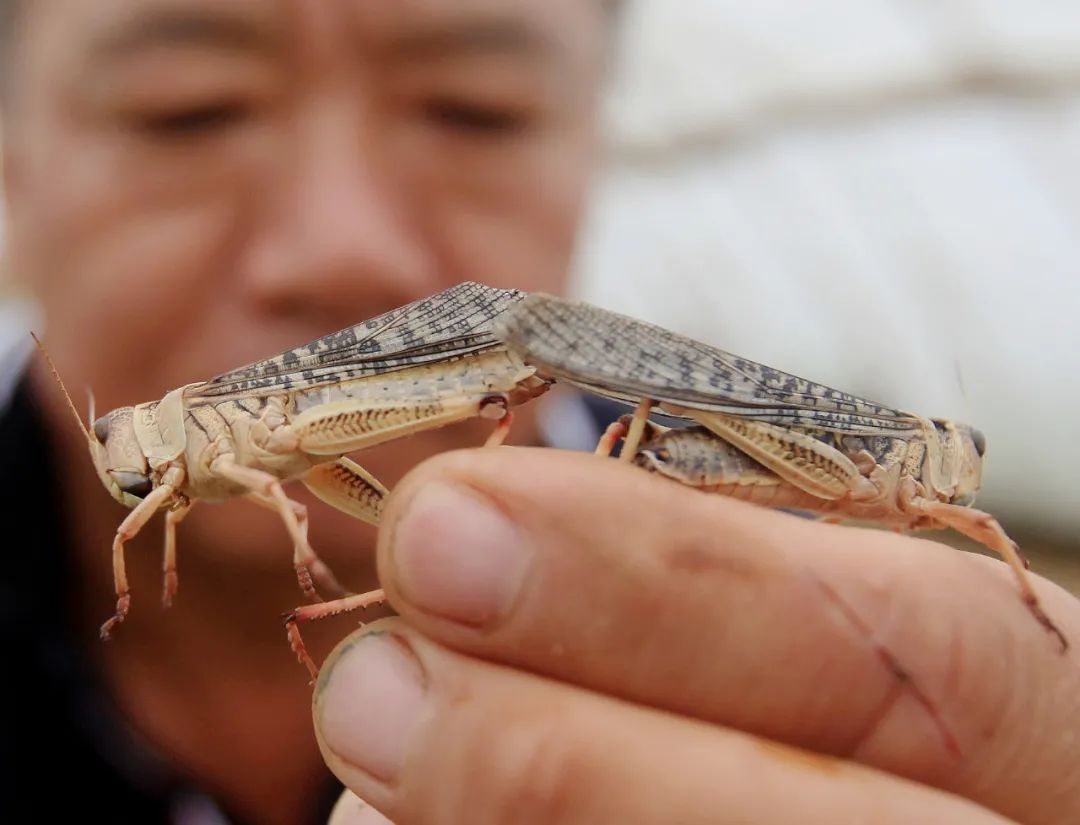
(370,701)
(456,555)
(350,810)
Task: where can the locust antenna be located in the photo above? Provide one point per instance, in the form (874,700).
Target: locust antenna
(63,389)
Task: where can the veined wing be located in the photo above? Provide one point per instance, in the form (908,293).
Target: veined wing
(451,323)
(626,359)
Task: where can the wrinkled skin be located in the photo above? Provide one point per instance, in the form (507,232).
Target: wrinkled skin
(192,185)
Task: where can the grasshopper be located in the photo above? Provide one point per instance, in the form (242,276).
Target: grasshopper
(428,364)
(764,435)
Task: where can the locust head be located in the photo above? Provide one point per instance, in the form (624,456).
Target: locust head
(118,458)
(963,448)
(120,462)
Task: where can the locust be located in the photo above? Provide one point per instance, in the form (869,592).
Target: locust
(763,435)
(295,416)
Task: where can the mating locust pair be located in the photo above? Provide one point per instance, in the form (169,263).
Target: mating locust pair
(752,432)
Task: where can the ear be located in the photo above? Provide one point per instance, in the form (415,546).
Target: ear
(11,176)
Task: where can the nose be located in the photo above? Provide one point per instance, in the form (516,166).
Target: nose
(333,234)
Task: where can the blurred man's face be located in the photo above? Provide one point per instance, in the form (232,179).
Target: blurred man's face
(194,184)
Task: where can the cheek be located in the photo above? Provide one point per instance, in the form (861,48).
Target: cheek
(122,265)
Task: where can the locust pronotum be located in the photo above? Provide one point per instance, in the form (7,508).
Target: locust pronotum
(425,365)
(765,436)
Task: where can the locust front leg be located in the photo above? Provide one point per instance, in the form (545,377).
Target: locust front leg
(620,428)
(175,515)
(985,529)
(128,529)
(266,490)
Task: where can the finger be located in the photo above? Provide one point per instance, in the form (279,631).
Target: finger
(352,810)
(906,654)
(430,735)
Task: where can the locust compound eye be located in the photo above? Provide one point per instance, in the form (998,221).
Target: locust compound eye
(980,442)
(653,456)
(101,429)
(135,484)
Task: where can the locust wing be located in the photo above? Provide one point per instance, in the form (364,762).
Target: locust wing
(625,359)
(451,323)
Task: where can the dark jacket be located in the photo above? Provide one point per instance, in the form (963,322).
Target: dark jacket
(67,750)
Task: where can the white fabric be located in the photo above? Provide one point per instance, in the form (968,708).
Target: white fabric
(877,194)
(884,196)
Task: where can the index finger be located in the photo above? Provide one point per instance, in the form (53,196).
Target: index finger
(899,652)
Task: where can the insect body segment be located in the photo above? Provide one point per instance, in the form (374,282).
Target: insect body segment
(761,434)
(296,415)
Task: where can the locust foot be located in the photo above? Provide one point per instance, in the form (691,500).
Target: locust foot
(123,605)
(357,601)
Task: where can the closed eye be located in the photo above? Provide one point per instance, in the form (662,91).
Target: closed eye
(475,118)
(193,121)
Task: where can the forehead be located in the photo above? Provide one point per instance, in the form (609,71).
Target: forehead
(106,28)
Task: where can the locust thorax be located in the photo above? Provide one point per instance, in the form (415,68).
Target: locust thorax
(963,448)
(119,459)
(675,453)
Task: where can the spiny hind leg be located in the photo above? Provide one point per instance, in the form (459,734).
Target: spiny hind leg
(984,528)
(313,612)
(634,433)
(264,489)
(348,487)
(173,517)
(128,529)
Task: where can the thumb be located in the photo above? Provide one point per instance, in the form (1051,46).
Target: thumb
(352,810)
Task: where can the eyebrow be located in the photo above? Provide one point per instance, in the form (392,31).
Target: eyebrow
(474,37)
(185,26)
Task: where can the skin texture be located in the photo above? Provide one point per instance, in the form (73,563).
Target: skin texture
(192,185)
(188,192)
(548,660)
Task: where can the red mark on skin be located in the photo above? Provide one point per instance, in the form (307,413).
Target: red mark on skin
(690,557)
(899,672)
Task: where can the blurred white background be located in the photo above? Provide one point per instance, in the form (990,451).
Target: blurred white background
(880,195)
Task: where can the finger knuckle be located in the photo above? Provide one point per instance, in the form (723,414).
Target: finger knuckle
(536,769)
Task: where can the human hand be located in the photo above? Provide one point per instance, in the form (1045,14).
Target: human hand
(580,641)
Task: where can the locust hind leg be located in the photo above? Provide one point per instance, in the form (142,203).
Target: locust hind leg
(312,612)
(266,490)
(984,528)
(128,529)
(348,487)
(173,517)
(634,433)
